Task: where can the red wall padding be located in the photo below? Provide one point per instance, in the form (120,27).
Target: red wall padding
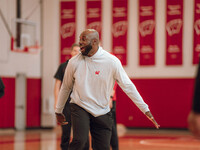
(33,103)
(7,104)
(169,101)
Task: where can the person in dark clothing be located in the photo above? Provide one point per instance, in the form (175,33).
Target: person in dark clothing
(114,143)
(194,116)
(1,88)
(66,129)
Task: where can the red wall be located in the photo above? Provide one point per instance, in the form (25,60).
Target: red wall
(33,102)
(169,101)
(7,103)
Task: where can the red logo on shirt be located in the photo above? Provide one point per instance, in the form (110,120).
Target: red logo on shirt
(97,72)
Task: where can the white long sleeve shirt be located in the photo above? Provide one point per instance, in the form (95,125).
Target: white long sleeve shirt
(91,80)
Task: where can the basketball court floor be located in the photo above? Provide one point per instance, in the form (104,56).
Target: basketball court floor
(129,139)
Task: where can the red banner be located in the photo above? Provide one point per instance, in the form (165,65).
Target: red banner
(147,32)
(93,16)
(67,28)
(174,32)
(119,29)
(196,46)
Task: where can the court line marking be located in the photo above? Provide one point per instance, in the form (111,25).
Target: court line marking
(154,142)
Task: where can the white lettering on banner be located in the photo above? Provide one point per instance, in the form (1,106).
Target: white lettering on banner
(146,11)
(119,50)
(198,8)
(66,51)
(67,13)
(146,27)
(119,28)
(146,49)
(93,13)
(95,25)
(173,56)
(174,9)
(197,26)
(174,26)
(146,56)
(197,48)
(173,49)
(119,12)
(67,30)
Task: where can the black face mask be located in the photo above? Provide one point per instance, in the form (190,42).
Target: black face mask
(87,49)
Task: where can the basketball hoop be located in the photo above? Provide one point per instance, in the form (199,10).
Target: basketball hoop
(24,39)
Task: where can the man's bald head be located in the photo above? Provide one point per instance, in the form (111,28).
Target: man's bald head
(89,42)
(92,34)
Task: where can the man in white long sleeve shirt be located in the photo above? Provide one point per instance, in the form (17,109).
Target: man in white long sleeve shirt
(91,76)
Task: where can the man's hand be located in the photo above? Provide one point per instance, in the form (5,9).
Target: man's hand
(61,119)
(194,123)
(151,118)
(111,102)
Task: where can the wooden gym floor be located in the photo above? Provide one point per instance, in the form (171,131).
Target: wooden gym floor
(129,139)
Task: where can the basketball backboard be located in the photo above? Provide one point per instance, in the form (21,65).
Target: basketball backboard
(24,36)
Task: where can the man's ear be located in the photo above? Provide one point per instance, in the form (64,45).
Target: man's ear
(94,41)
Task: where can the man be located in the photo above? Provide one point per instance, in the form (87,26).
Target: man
(92,75)
(1,88)
(194,116)
(66,129)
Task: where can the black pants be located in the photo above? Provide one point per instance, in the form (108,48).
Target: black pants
(100,129)
(66,129)
(114,138)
